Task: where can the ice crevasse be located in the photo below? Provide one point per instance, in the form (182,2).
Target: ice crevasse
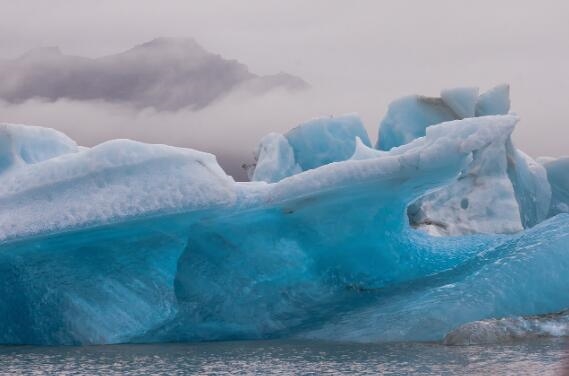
(444,231)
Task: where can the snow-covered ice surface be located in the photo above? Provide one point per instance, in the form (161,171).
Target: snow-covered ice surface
(131,242)
(111,182)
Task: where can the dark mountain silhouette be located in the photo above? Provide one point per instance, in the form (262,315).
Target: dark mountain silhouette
(165,73)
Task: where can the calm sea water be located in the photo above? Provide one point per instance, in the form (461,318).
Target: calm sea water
(537,357)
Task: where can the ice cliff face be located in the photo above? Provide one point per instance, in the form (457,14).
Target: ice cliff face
(131,242)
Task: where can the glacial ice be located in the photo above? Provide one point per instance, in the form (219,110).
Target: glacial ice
(558,175)
(523,275)
(131,242)
(508,329)
(495,101)
(310,145)
(326,140)
(111,182)
(481,200)
(275,159)
(531,185)
(461,100)
(502,191)
(21,145)
(408,118)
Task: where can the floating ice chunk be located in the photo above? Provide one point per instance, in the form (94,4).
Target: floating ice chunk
(326,140)
(408,118)
(495,101)
(130,242)
(319,234)
(21,145)
(509,329)
(558,176)
(275,159)
(313,144)
(461,100)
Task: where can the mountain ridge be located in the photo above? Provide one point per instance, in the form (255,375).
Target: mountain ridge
(167,74)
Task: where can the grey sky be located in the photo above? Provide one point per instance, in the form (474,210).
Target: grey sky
(357,55)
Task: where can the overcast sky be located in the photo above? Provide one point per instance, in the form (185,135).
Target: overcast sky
(357,55)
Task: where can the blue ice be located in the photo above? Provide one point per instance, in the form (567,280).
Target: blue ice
(132,242)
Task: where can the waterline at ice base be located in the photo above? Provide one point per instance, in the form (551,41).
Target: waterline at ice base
(440,231)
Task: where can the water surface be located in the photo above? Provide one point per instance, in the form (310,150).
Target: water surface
(536,357)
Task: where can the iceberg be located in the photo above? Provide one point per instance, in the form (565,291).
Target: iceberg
(462,101)
(509,329)
(310,145)
(408,118)
(22,145)
(531,185)
(128,242)
(522,276)
(558,176)
(495,101)
(481,200)
(326,140)
(275,159)
(502,191)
